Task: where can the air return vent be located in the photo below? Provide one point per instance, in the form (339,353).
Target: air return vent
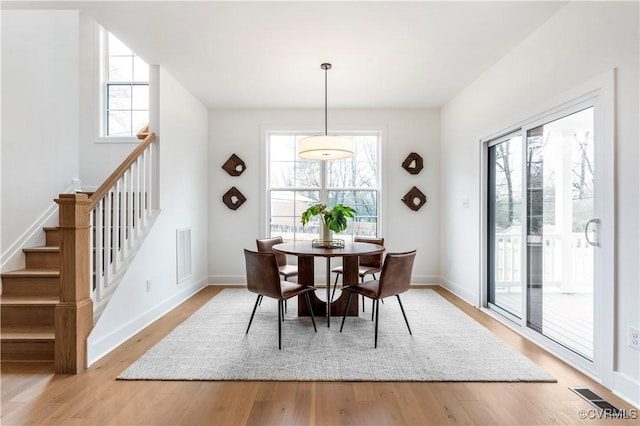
(183,250)
(608,409)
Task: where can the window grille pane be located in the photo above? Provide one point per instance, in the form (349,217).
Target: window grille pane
(282,148)
(120,69)
(119,123)
(119,97)
(139,120)
(365,203)
(140,97)
(286,208)
(281,174)
(307,174)
(360,171)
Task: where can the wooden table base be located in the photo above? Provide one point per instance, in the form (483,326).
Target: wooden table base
(306,276)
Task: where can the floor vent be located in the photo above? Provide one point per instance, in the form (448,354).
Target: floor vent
(597,401)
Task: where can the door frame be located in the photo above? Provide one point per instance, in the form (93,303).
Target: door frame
(600,93)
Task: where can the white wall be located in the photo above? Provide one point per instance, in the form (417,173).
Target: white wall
(182,133)
(582,41)
(242,132)
(40,86)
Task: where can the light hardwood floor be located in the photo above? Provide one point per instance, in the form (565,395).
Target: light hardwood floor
(31,394)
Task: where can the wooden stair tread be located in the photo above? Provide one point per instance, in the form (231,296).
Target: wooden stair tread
(27,334)
(41,249)
(50,228)
(32,272)
(27,301)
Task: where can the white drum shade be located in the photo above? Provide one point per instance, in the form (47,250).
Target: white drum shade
(325,147)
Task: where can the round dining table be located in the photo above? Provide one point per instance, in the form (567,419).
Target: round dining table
(306,254)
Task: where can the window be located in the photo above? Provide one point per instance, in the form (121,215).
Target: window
(124,89)
(294,184)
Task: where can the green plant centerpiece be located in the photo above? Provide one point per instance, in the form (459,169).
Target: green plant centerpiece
(334,219)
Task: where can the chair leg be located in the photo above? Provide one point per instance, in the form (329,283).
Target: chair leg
(344,316)
(373,307)
(280,324)
(258,299)
(403,314)
(335,284)
(377,301)
(313,320)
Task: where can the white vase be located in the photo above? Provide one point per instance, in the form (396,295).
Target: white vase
(325,232)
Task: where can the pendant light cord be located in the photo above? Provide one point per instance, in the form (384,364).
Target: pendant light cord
(325,101)
(325,67)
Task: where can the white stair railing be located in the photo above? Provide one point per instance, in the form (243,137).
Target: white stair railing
(123,210)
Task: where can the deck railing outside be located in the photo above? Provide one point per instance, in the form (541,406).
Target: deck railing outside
(574,273)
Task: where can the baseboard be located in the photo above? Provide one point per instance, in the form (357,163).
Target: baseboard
(462,293)
(226,279)
(102,347)
(425,279)
(241,279)
(626,388)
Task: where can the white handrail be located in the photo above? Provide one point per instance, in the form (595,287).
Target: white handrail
(119,220)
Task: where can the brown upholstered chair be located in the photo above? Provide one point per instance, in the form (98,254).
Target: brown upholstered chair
(263,278)
(265,245)
(366,264)
(395,279)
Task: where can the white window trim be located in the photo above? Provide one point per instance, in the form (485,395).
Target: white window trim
(266,130)
(98,88)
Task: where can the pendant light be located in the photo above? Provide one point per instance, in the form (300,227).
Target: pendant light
(325,147)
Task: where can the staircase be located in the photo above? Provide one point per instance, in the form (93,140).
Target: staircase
(28,301)
(49,308)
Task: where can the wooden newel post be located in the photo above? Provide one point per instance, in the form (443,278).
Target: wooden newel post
(74,313)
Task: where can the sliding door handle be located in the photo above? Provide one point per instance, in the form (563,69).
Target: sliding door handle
(594,225)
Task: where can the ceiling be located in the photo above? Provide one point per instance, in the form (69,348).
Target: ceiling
(268,54)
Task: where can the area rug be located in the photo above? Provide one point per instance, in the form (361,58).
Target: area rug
(446,345)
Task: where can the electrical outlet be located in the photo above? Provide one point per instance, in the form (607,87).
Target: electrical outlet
(148,286)
(634,338)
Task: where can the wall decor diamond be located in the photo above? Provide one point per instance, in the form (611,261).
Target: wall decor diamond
(414,199)
(234,165)
(233,198)
(413,163)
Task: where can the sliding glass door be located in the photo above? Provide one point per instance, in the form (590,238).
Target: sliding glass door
(562,230)
(505,224)
(542,228)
